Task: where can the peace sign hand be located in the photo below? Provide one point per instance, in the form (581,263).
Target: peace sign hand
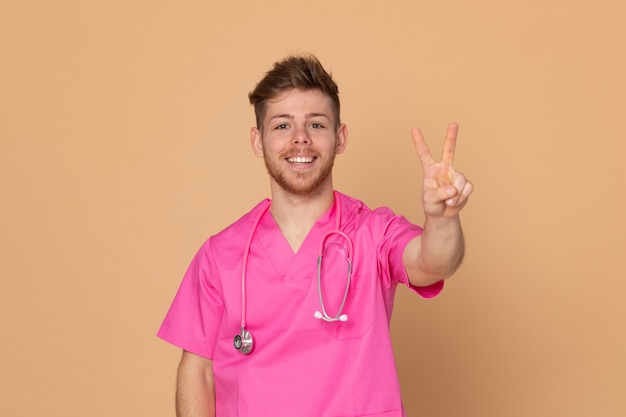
(445,191)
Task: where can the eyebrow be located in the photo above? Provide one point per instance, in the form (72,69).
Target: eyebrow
(291,116)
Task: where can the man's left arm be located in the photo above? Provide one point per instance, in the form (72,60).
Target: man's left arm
(438,252)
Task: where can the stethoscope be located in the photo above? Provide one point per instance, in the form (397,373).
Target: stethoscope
(244,342)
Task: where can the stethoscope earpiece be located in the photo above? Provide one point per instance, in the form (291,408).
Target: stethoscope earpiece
(318,315)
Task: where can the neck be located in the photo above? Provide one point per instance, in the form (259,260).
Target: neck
(296,215)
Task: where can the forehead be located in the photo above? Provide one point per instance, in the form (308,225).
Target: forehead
(297,102)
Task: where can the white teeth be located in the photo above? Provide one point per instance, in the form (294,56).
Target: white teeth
(300,160)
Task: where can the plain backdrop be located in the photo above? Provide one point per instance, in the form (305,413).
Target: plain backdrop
(124,144)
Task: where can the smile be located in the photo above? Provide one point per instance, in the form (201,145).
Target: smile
(301,159)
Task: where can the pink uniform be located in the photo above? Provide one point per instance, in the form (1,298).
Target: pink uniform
(300,366)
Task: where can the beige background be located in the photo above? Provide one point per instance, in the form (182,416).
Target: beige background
(124,144)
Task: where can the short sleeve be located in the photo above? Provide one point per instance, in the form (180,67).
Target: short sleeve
(398,234)
(429,291)
(194,317)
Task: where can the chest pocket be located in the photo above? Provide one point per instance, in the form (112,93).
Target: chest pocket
(361,305)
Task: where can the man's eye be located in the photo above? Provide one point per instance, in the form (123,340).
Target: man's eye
(281,126)
(317,125)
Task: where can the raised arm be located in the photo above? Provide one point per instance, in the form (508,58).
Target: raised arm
(195,388)
(437,253)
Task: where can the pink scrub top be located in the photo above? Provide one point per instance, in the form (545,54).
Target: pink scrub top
(300,366)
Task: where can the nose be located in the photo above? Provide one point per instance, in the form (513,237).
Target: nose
(301,136)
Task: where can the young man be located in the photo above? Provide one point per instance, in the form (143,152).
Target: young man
(310,273)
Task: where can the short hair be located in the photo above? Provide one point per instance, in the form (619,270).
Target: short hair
(297,71)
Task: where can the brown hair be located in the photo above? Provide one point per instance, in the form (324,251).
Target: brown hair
(303,72)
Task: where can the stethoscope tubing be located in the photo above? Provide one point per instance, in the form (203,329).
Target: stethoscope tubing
(324,314)
(244,268)
(244,342)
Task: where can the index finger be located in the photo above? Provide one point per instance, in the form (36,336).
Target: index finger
(421,148)
(447,155)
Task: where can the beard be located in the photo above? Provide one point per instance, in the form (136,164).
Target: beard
(297,183)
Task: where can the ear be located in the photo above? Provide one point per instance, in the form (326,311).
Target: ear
(342,139)
(256,142)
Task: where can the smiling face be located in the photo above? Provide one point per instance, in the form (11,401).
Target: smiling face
(298,141)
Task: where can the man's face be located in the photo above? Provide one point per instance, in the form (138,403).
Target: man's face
(299,140)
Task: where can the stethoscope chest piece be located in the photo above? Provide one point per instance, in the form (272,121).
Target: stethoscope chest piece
(243,342)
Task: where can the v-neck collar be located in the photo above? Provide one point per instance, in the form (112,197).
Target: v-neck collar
(279,252)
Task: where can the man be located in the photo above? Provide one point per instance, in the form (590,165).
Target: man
(321,344)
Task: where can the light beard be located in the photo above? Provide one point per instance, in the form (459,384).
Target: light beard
(300,184)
